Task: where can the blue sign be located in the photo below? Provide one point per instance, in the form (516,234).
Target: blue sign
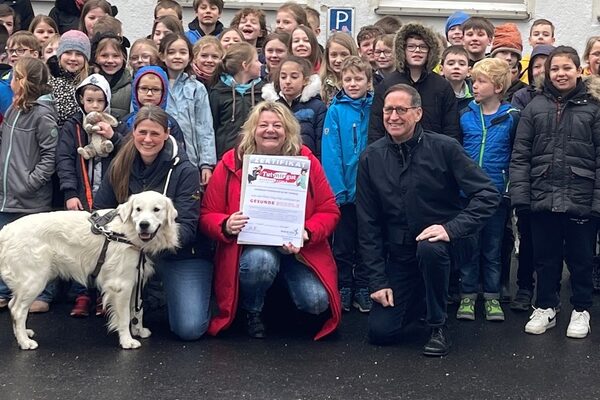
(341,19)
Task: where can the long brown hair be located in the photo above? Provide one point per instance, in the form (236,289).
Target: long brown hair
(88,6)
(120,168)
(31,74)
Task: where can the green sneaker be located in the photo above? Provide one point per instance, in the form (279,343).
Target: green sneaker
(466,309)
(493,310)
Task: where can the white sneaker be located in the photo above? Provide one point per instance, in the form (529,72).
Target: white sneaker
(540,320)
(579,327)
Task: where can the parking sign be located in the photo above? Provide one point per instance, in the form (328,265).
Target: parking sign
(340,19)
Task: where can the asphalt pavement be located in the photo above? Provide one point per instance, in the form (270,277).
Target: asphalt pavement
(77,359)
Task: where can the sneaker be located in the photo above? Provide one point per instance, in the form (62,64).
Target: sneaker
(540,320)
(579,327)
(346,295)
(466,309)
(255,326)
(493,310)
(81,309)
(362,300)
(3,303)
(522,300)
(39,306)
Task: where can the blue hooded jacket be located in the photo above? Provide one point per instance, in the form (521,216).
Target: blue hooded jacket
(344,138)
(175,130)
(488,140)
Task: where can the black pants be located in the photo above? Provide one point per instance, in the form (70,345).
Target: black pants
(418,276)
(558,236)
(345,250)
(525,279)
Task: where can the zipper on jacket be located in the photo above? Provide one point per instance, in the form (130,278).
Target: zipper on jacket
(4,183)
(355,137)
(483,138)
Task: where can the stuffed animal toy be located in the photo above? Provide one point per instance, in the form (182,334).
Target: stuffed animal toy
(98,145)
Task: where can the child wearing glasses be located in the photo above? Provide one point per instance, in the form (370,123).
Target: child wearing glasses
(143,52)
(19,45)
(383,51)
(417,52)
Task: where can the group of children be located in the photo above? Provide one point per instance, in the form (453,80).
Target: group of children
(208,77)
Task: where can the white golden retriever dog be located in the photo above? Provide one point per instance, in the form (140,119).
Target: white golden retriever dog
(36,248)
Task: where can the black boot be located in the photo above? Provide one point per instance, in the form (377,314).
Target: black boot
(438,344)
(255,326)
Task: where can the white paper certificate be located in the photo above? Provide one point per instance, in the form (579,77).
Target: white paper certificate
(274,199)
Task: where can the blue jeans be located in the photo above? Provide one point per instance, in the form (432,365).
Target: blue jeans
(485,263)
(187,284)
(48,294)
(259,265)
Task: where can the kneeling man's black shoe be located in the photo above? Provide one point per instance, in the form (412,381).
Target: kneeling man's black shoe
(438,344)
(255,326)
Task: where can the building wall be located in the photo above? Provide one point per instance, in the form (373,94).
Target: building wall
(575,20)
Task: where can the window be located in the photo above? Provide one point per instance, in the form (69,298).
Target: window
(238,4)
(502,9)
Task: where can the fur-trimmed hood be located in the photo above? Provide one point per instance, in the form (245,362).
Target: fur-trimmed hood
(591,82)
(312,89)
(430,38)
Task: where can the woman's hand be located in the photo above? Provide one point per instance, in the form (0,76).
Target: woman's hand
(235,223)
(289,248)
(74,204)
(105,129)
(205,176)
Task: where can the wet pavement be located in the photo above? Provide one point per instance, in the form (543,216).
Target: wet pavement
(77,359)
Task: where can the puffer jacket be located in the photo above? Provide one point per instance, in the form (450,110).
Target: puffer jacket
(488,140)
(230,104)
(555,163)
(27,154)
(120,87)
(308,109)
(440,109)
(188,104)
(174,128)
(344,140)
(524,95)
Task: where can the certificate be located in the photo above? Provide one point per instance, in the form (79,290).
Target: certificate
(274,199)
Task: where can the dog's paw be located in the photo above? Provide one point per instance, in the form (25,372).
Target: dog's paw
(30,332)
(130,344)
(28,344)
(141,332)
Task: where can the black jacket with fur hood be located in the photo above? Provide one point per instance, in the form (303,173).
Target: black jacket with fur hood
(555,164)
(440,109)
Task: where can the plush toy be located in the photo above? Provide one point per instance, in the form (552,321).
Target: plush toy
(98,145)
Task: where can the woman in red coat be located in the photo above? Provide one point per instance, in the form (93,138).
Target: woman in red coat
(245,273)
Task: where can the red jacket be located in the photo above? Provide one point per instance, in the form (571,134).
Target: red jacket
(222,198)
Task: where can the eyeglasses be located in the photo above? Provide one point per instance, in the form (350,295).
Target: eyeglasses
(18,51)
(420,47)
(386,53)
(399,110)
(149,90)
(142,58)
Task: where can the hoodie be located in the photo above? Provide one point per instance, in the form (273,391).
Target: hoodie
(77,176)
(27,157)
(344,139)
(440,108)
(308,109)
(231,103)
(524,95)
(129,119)
(196,33)
(188,103)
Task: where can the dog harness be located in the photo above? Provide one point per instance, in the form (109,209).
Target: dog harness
(99,223)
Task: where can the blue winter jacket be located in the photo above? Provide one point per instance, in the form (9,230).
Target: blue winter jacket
(344,139)
(188,104)
(196,33)
(488,140)
(174,128)
(6,93)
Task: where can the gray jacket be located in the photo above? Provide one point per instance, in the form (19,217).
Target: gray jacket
(27,153)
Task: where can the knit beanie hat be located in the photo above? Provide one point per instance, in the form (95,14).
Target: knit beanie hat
(458,18)
(507,38)
(74,40)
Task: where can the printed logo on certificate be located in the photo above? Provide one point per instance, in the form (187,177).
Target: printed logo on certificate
(274,199)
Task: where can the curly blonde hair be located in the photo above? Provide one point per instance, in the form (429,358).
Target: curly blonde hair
(293,141)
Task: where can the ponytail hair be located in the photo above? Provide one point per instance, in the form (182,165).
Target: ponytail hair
(234,57)
(120,168)
(31,75)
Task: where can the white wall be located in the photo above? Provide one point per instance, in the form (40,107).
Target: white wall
(575,19)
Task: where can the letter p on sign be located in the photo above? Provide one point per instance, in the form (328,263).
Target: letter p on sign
(340,20)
